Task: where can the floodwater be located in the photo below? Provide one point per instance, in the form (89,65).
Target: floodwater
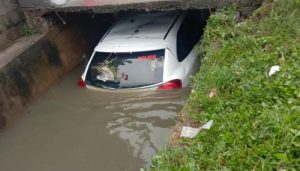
(75,129)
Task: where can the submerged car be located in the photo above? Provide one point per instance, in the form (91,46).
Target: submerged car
(146,51)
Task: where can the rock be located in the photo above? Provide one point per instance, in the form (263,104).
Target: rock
(247,11)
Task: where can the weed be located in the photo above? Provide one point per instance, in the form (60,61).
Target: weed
(27,30)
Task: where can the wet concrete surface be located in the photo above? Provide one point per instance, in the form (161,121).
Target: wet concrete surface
(17,48)
(75,129)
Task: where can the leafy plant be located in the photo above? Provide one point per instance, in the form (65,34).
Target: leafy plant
(27,30)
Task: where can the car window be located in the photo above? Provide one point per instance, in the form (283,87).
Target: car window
(126,70)
(189,33)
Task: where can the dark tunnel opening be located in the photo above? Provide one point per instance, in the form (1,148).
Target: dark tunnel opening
(93,26)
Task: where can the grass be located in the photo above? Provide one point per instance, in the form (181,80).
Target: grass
(27,30)
(256,117)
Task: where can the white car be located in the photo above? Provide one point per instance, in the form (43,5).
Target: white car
(146,50)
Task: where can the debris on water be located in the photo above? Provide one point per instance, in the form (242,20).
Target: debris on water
(189,132)
(273,70)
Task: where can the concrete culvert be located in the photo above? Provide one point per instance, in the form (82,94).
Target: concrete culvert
(82,118)
(70,38)
(35,62)
(91,26)
(139,31)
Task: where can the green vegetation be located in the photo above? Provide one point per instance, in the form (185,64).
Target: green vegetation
(256,116)
(27,30)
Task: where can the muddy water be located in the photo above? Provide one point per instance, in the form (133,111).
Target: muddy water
(74,129)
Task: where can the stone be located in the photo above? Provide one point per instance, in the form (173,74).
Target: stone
(247,11)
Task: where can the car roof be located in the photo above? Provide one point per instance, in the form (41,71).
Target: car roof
(138,32)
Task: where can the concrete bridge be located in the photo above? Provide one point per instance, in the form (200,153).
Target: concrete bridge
(105,6)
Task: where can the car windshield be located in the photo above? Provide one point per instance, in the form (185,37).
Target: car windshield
(126,70)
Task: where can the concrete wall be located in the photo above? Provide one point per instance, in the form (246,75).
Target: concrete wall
(109,6)
(7,5)
(11,16)
(32,64)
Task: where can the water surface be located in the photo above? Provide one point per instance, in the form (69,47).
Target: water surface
(75,129)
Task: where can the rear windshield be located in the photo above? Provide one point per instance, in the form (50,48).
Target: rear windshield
(126,70)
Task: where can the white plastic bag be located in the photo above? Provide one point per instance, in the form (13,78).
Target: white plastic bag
(273,70)
(189,132)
